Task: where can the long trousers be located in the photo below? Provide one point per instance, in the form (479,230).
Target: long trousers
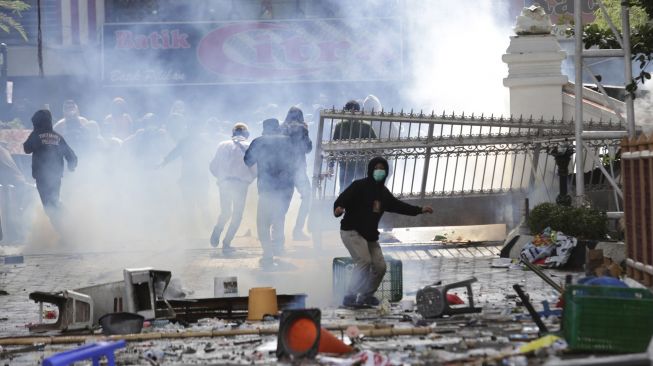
(369,265)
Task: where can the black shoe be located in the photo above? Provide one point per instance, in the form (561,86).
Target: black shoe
(349,301)
(355,302)
(215,236)
(372,301)
(266,262)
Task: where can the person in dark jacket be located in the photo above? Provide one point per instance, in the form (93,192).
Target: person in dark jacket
(351,129)
(276,173)
(295,128)
(363,204)
(49,150)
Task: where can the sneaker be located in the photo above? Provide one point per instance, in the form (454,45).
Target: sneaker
(298,235)
(354,301)
(371,300)
(215,236)
(349,301)
(266,262)
(227,248)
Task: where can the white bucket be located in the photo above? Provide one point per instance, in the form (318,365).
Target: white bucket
(225,286)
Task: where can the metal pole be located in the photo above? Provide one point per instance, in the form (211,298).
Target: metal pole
(427,161)
(3,79)
(578,88)
(628,69)
(317,161)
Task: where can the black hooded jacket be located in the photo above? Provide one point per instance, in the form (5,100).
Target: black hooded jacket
(295,128)
(272,154)
(365,200)
(48,149)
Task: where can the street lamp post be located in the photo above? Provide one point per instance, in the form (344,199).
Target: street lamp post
(562,154)
(3,80)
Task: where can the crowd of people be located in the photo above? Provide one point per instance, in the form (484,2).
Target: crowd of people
(276,159)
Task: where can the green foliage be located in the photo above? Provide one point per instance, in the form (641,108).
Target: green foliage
(581,222)
(9,9)
(599,34)
(638,16)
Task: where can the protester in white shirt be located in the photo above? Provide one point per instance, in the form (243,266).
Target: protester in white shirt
(234,178)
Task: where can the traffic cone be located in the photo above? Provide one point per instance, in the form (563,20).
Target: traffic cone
(299,337)
(302,335)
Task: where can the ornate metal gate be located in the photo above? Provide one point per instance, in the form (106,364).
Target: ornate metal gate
(471,169)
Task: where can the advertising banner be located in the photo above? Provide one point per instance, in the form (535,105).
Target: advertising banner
(252,52)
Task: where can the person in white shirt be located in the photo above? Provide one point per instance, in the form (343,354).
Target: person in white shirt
(234,177)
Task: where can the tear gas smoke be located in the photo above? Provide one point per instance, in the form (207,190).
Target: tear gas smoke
(119,199)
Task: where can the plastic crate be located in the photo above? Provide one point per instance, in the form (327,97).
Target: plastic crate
(608,319)
(391,287)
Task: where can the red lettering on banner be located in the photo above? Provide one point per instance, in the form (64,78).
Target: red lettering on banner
(179,40)
(155,40)
(124,39)
(140,42)
(296,49)
(264,49)
(296,53)
(164,39)
(328,50)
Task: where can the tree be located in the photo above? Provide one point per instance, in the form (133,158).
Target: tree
(598,34)
(9,9)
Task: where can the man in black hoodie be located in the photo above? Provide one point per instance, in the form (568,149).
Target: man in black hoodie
(276,169)
(295,128)
(49,150)
(363,204)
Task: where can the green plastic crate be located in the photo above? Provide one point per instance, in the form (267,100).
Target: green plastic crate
(608,319)
(391,287)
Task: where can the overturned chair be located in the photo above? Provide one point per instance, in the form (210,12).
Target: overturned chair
(75,311)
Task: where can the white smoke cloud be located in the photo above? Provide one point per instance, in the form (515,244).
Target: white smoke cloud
(455,58)
(644,109)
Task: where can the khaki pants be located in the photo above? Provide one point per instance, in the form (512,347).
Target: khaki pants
(369,265)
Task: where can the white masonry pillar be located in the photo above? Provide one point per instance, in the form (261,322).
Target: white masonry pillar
(534,60)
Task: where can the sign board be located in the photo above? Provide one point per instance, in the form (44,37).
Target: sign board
(252,52)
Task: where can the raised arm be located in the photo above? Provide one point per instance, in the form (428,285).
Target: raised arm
(397,206)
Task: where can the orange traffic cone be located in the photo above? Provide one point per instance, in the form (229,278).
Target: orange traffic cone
(302,334)
(331,344)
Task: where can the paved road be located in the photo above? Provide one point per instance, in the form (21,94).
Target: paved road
(308,272)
